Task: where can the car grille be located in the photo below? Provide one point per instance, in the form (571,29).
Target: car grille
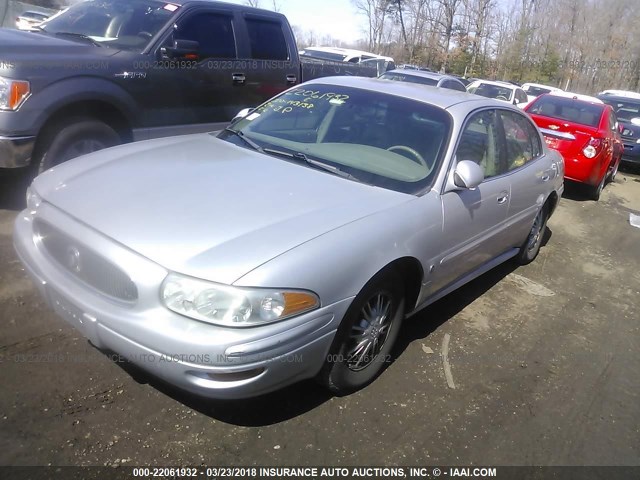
(84,264)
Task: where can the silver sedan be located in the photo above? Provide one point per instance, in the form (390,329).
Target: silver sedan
(292,244)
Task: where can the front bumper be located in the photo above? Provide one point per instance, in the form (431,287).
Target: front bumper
(208,360)
(16,151)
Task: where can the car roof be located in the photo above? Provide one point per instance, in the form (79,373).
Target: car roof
(348,52)
(33,12)
(497,83)
(439,97)
(619,93)
(577,96)
(619,98)
(540,85)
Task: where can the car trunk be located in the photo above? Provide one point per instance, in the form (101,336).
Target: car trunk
(569,138)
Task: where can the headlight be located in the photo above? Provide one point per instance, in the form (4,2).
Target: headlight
(231,306)
(33,200)
(13,93)
(638,140)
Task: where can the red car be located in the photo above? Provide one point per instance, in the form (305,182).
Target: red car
(585,133)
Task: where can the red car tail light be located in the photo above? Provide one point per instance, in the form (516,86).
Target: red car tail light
(592,148)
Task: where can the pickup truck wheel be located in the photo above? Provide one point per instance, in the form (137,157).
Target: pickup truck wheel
(531,246)
(73,139)
(362,347)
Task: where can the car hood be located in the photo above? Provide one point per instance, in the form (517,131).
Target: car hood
(204,207)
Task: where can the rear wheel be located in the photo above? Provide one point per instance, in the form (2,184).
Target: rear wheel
(362,347)
(74,138)
(613,171)
(531,247)
(595,192)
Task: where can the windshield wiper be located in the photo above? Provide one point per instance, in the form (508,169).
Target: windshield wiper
(315,163)
(245,139)
(81,36)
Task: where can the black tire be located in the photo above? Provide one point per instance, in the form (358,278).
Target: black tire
(76,137)
(613,171)
(531,246)
(348,367)
(594,192)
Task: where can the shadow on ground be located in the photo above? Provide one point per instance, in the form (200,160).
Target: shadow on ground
(13,185)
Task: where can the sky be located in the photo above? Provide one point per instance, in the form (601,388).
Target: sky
(337,18)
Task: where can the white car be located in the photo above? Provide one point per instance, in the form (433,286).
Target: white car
(503,91)
(341,54)
(29,20)
(534,90)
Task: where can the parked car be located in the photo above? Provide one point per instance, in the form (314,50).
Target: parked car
(293,243)
(503,91)
(424,78)
(381,65)
(411,66)
(627,110)
(619,93)
(29,20)
(109,72)
(534,90)
(585,133)
(341,54)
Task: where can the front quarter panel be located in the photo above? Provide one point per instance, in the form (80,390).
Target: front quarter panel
(339,263)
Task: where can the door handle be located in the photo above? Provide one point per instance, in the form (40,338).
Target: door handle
(292,79)
(502,199)
(238,78)
(545,178)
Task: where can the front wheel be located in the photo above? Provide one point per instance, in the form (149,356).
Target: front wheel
(531,247)
(362,347)
(74,138)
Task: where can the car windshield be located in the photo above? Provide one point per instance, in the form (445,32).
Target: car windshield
(123,24)
(626,110)
(492,91)
(409,78)
(575,111)
(379,139)
(536,91)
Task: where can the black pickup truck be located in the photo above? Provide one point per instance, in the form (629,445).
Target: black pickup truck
(104,72)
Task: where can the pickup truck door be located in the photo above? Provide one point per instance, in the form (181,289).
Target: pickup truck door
(195,92)
(268,62)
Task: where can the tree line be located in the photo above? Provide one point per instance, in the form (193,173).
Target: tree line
(578,45)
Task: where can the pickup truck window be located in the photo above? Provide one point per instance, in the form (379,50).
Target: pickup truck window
(267,40)
(212,31)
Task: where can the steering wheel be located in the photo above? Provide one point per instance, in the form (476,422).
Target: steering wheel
(502,97)
(145,34)
(404,148)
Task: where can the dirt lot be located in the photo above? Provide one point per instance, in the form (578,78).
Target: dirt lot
(545,361)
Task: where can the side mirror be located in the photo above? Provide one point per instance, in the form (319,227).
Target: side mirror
(242,114)
(182,49)
(468,175)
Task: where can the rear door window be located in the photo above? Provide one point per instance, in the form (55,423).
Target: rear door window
(267,40)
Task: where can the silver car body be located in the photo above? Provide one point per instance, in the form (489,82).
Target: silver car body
(202,207)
